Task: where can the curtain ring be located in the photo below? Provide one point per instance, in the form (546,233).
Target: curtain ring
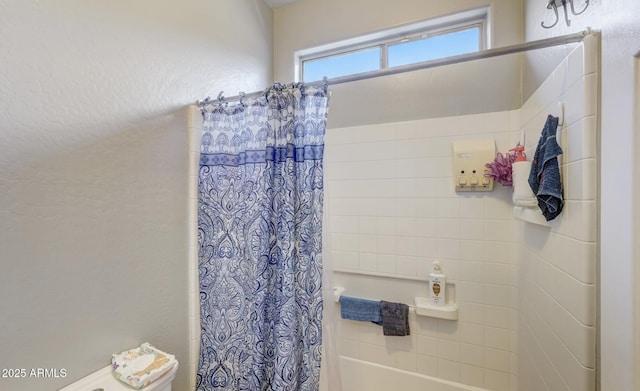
(221,97)
(241,99)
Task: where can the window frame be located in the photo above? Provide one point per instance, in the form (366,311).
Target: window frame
(476,18)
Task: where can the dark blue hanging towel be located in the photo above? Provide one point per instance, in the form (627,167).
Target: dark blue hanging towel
(544,177)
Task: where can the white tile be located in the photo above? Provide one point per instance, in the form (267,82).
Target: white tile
(471,312)
(497,317)
(471,333)
(497,295)
(580,181)
(497,273)
(471,207)
(497,338)
(470,292)
(471,375)
(427,365)
(449,370)
(496,381)
(472,229)
(579,140)
(474,250)
(449,350)
(472,354)
(386,263)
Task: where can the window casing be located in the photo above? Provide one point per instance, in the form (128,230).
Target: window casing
(418,42)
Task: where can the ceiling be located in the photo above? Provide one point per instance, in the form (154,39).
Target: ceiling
(279,3)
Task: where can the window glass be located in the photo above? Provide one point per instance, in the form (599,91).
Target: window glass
(342,64)
(431,48)
(425,40)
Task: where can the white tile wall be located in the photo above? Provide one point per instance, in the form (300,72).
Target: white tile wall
(558,264)
(526,292)
(394,211)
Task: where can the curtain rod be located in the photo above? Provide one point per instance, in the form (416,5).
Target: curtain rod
(523,47)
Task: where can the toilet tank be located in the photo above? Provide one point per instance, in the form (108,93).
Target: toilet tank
(104,380)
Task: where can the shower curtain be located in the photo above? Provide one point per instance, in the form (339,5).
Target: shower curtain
(260,241)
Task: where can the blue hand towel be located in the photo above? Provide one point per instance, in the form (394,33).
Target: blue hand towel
(544,177)
(395,318)
(360,309)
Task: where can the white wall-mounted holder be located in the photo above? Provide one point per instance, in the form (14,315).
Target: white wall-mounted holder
(554,4)
(531,215)
(337,292)
(469,159)
(449,311)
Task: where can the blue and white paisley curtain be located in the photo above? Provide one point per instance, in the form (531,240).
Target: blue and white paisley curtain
(260,239)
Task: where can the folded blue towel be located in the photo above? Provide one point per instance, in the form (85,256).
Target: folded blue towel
(395,318)
(544,177)
(360,309)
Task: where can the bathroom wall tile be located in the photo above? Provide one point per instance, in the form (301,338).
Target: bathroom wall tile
(580,139)
(472,354)
(497,338)
(471,272)
(386,263)
(367,262)
(471,207)
(471,312)
(501,230)
(426,326)
(344,224)
(449,350)
(498,317)
(404,361)
(471,375)
(496,359)
(426,345)
(345,260)
(427,365)
(579,220)
(497,273)
(575,65)
(407,266)
(449,370)
(502,252)
(471,333)
(448,249)
(472,229)
(496,381)
(580,181)
(497,295)
(576,258)
(473,250)
(470,292)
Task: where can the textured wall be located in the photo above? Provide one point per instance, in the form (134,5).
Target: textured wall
(441,92)
(93,170)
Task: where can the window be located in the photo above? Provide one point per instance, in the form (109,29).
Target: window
(423,41)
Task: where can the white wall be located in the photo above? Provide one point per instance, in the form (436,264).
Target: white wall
(557,277)
(618,21)
(440,92)
(93,170)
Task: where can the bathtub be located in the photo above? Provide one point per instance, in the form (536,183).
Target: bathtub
(358,375)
